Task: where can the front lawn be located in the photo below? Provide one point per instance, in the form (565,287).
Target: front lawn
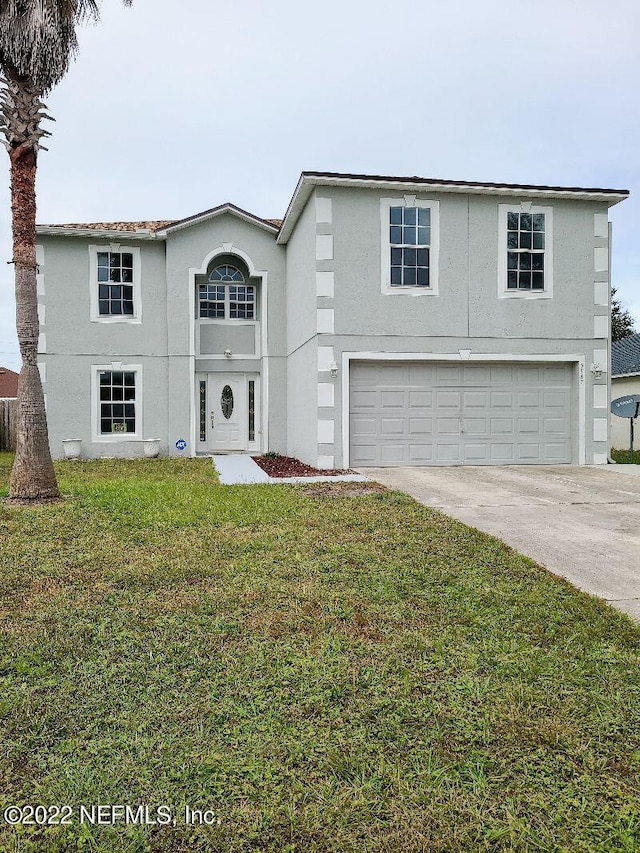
(323,673)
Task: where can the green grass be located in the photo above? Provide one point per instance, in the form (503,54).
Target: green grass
(325,674)
(623,455)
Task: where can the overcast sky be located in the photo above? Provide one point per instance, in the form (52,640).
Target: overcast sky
(172,108)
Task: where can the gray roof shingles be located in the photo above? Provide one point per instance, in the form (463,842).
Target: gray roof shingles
(625,356)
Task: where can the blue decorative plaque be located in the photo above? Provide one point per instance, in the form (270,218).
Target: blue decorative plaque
(181,444)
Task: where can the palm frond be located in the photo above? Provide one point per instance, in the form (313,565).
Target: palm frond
(38,37)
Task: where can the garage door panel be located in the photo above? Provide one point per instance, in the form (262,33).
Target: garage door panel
(475,426)
(476,453)
(420,399)
(448,453)
(420,426)
(501,426)
(529,425)
(501,399)
(364,426)
(478,414)
(475,399)
(393,454)
(421,453)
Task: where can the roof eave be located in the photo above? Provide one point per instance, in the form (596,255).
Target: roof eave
(218,211)
(99,233)
(625,375)
(309,180)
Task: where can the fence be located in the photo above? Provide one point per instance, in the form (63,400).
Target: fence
(7,424)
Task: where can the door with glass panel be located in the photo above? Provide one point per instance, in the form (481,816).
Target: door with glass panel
(227,412)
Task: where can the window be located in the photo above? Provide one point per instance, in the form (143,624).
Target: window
(525,244)
(410,237)
(115,284)
(117,401)
(226,295)
(409,245)
(525,266)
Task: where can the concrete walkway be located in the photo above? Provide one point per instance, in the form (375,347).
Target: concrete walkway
(582,523)
(240,469)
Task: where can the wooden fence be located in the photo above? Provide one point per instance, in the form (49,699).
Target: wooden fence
(7,424)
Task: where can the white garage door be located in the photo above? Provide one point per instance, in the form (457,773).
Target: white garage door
(416,413)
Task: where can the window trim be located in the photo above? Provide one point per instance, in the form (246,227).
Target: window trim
(110,438)
(94,310)
(525,207)
(385,244)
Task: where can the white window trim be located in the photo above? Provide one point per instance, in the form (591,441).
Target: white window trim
(96,435)
(434,248)
(95,315)
(524,207)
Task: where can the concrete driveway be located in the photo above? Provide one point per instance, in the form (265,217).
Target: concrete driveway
(582,523)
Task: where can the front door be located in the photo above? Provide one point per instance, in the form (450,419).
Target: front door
(227,411)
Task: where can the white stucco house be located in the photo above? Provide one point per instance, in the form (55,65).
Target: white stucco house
(625,380)
(383,321)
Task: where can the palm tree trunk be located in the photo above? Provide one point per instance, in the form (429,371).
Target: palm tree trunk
(32,477)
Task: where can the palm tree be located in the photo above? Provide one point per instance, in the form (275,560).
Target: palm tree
(37,43)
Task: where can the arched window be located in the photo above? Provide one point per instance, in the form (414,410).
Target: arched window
(226,273)
(226,295)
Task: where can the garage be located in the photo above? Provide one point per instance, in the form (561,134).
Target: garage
(438,413)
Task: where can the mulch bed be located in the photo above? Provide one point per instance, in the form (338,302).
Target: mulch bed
(287,466)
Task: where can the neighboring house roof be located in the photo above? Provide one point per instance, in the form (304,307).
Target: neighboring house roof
(8,383)
(625,356)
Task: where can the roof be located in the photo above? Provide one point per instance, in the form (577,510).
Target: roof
(153,228)
(309,180)
(153,225)
(8,383)
(625,356)
(159,229)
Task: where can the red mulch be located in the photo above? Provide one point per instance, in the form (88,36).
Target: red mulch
(287,466)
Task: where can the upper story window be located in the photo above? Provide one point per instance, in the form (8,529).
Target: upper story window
(409,245)
(226,295)
(115,284)
(525,256)
(525,263)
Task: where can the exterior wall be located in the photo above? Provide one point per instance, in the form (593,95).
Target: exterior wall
(302,339)
(70,401)
(619,433)
(320,298)
(71,344)
(467,313)
(189,252)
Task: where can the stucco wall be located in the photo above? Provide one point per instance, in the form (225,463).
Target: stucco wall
(619,435)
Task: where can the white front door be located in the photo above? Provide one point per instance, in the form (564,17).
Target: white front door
(227,411)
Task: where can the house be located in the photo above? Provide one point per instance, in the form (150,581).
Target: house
(8,384)
(625,379)
(383,321)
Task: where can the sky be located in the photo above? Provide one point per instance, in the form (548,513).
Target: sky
(173,108)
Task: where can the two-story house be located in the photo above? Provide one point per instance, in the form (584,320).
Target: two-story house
(383,321)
